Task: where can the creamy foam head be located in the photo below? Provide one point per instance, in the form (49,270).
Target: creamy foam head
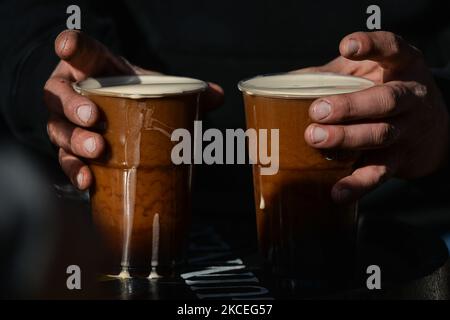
(144,86)
(306,85)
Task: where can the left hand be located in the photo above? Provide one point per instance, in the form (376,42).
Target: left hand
(72,116)
(401,123)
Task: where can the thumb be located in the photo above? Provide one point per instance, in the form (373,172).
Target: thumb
(386,48)
(87,56)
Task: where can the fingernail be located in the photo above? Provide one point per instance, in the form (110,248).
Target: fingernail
(318,134)
(80,179)
(343,195)
(352,47)
(84,113)
(321,110)
(89,145)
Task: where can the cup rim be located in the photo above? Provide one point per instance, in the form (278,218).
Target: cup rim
(255,90)
(93,85)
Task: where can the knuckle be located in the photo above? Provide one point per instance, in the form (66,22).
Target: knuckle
(345,106)
(54,81)
(48,83)
(393,43)
(396,46)
(383,134)
(390,96)
(345,137)
(51,131)
(61,157)
(50,126)
(76,139)
(70,102)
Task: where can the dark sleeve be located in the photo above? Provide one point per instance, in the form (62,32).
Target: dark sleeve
(29,29)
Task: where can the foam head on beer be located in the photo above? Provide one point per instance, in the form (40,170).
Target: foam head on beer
(137,87)
(308,85)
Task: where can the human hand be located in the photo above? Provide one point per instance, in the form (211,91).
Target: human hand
(401,124)
(71,114)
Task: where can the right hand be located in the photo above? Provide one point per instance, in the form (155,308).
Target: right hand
(70,114)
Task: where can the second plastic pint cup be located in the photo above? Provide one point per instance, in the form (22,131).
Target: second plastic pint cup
(303,235)
(141,200)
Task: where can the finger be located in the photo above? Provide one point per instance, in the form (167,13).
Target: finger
(377,102)
(88,56)
(60,98)
(75,140)
(77,171)
(362,181)
(356,136)
(212,98)
(386,48)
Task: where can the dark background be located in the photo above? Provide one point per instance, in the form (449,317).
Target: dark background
(218,41)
